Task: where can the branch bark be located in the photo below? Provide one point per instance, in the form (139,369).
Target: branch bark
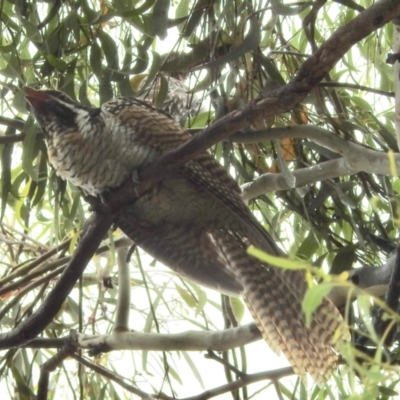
(354,158)
(185,341)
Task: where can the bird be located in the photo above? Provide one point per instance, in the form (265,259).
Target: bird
(194,221)
(179,102)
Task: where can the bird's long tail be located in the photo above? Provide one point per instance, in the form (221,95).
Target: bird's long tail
(274,297)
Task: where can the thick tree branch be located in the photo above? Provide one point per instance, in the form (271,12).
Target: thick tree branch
(354,158)
(271,182)
(185,341)
(370,279)
(14,123)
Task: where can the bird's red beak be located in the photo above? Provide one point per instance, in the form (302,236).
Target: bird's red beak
(36,97)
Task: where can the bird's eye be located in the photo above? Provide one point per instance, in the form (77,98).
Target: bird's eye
(64,114)
(59,95)
(94,112)
(63,97)
(58,108)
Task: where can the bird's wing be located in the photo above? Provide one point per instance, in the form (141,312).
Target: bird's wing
(187,250)
(154,128)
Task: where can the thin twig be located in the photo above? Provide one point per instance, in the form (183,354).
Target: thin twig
(109,375)
(239,383)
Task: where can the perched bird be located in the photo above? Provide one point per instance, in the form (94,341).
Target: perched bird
(178,101)
(194,222)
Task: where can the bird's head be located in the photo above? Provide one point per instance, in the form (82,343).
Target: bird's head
(57,113)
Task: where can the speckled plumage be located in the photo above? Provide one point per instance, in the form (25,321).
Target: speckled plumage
(194,222)
(179,102)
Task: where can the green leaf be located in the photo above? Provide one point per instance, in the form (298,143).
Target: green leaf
(186,296)
(250,43)
(238,308)
(193,367)
(308,247)
(160,18)
(277,261)
(142,60)
(200,120)
(5,183)
(343,260)
(387,391)
(13,68)
(361,103)
(150,320)
(174,374)
(24,391)
(154,70)
(110,50)
(182,11)
(67,80)
(95,59)
(57,63)
(29,147)
(201,301)
(313,298)
(162,92)
(106,92)
(137,11)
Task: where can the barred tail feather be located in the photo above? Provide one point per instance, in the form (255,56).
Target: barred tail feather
(274,298)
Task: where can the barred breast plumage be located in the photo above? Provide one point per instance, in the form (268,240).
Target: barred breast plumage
(195,222)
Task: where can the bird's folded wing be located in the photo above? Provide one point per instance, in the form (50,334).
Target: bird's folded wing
(188,251)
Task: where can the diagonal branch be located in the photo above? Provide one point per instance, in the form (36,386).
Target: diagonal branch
(95,229)
(111,376)
(278,101)
(244,380)
(287,97)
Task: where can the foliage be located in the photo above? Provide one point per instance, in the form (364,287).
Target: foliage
(231,53)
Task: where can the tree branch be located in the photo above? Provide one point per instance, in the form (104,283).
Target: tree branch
(31,271)
(15,123)
(95,229)
(272,182)
(354,158)
(245,380)
(185,341)
(278,101)
(124,292)
(66,351)
(109,375)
